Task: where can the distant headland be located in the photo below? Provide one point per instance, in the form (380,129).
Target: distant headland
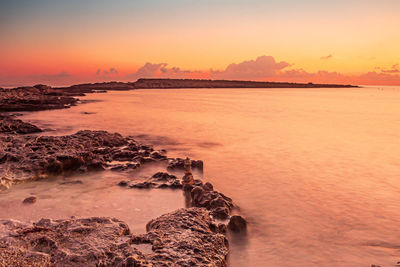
(194,83)
(42,97)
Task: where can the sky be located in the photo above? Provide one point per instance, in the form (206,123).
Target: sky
(66,42)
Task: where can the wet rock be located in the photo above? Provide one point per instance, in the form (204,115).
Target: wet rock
(72,182)
(157,155)
(188,179)
(179,164)
(163,176)
(54,167)
(237,224)
(124,155)
(197,182)
(96,165)
(29,200)
(40,97)
(125,167)
(217,203)
(142,185)
(181,238)
(123,183)
(221,213)
(185,238)
(25,157)
(158,180)
(146,160)
(208,187)
(222,228)
(197,195)
(10,125)
(74,242)
(187,187)
(70,162)
(14,256)
(5,183)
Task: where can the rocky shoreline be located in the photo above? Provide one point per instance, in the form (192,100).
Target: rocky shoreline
(191,236)
(43,97)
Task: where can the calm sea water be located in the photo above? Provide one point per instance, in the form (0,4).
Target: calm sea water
(315,171)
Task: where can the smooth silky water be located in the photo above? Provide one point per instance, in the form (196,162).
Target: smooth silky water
(316,172)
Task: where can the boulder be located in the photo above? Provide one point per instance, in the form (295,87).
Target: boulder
(237,224)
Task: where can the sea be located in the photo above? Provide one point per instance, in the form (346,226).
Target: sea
(315,172)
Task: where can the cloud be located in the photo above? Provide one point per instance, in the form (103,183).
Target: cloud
(369,78)
(110,71)
(394,69)
(327,57)
(266,68)
(260,68)
(263,68)
(161,70)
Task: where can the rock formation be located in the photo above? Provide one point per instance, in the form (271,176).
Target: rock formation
(26,157)
(186,237)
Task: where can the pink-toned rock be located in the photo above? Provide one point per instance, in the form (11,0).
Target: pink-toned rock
(30,200)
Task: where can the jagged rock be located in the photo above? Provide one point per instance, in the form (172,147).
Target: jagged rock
(179,164)
(197,195)
(74,242)
(222,228)
(39,97)
(181,238)
(187,188)
(96,165)
(237,224)
(13,256)
(158,180)
(221,213)
(208,187)
(24,157)
(14,126)
(124,155)
(217,203)
(185,238)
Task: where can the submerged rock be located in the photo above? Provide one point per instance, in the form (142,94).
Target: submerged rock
(123,183)
(29,200)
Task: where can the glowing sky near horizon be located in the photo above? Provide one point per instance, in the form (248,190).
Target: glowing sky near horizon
(80,37)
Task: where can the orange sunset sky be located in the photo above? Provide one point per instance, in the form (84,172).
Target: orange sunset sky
(66,42)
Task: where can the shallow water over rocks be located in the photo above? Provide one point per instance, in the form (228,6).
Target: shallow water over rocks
(87,195)
(315,171)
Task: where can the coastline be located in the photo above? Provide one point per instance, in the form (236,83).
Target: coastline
(196,235)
